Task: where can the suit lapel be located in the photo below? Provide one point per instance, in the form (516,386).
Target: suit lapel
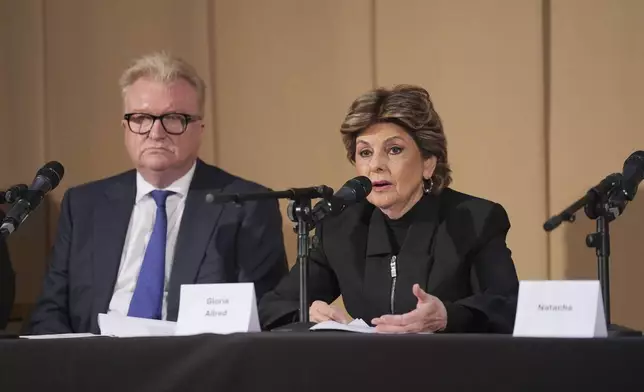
(198,221)
(110,228)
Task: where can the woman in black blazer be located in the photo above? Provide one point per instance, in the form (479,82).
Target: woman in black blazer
(417,256)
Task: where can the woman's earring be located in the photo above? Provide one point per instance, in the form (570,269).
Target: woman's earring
(428,189)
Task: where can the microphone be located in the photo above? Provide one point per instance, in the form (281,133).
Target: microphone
(47,179)
(632,175)
(12,194)
(353,191)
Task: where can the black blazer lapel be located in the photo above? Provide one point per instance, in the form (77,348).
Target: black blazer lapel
(112,217)
(197,224)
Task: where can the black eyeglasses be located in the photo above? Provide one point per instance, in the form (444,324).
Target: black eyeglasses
(173,123)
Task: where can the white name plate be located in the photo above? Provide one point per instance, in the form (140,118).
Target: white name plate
(217,308)
(560,308)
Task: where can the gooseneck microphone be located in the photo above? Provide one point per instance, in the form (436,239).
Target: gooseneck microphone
(613,193)
(353,191)
(47,179)
(632,175)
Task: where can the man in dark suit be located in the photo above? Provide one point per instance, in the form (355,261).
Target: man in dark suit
(126,244)
(7,282)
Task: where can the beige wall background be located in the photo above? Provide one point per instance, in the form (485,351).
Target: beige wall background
(540,98)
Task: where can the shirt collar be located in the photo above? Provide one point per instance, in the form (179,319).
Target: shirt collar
(180,186)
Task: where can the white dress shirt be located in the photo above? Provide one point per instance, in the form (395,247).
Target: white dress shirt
(138,235)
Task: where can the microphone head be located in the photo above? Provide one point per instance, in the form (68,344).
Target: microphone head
(633,163)
(637,156)
(633,173)
(355,190)
(365,186)
(48,176)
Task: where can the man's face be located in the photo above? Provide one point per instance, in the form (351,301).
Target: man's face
(160,149)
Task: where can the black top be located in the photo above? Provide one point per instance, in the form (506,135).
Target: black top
(398,228)
(454,248)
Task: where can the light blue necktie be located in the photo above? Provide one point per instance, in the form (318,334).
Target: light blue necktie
(147,300)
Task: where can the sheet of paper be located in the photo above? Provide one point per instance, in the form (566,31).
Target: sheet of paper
(113,324)
(357,325)
(61,336)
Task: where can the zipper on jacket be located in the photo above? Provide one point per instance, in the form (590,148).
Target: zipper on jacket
(394,273)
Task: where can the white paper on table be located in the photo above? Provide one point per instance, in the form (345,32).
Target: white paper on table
(61,336)
(357,325)
(114,324)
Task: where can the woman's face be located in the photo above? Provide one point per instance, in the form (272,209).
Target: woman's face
(391,159)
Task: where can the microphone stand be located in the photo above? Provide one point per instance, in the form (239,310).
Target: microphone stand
(597,207)
(299,211)
(305,218)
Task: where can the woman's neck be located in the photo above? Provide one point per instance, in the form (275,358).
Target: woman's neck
(397,211)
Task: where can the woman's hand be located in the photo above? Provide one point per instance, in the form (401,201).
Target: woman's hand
(430,315)
(321,311)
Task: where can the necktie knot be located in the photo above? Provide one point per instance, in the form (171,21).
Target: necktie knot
(160,197)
